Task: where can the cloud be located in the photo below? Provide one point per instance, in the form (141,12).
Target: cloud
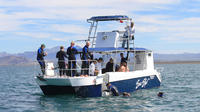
(70,10)
(67,28)
(80,3)
(81,9)
(72,38)
(34,34)
(185,30)
(78,39)
(61,20)
(8,23)
(147,29)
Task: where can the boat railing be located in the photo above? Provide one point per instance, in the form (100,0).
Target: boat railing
(67,68)
(122,39)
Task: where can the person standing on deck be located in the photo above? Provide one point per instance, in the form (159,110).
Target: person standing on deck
(40,58)
(123,59)
(109,66)
(61,55)
(86,56)
(71,52)
(92,68)
(99,65)
(130,30)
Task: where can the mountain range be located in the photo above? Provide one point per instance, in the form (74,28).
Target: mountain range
(30,56)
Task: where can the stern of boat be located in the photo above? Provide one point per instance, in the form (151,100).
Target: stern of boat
(81,86)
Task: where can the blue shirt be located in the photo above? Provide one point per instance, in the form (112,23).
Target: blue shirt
(40,54)
(85,53)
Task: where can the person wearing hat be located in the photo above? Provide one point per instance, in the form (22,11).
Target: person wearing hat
(40,58)
(71,52)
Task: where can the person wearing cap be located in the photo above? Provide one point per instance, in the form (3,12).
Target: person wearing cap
(61,55)
(40,58)
(130,30)
(86,56)
(71,52)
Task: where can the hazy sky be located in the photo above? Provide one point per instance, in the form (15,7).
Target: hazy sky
(165,26)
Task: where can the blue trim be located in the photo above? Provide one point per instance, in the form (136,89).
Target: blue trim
(82,91)
(110,49)
(40,50)
(109,18)
(54,90)
(130,85)
(89,91)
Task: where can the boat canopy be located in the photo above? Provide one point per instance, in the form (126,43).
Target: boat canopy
(109,18)
(113,49)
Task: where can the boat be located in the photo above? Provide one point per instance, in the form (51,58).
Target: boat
(106,44)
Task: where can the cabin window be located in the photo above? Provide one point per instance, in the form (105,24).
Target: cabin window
(140,60)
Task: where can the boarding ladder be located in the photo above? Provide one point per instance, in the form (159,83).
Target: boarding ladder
(105,81)
(92,33)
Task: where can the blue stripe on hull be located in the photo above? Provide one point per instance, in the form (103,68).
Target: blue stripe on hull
(83,91)
(54,90)
(89,91)
(131,85)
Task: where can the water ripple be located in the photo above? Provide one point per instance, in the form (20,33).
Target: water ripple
(180,84)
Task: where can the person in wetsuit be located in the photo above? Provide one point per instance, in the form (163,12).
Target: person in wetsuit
(71,52)
(40,58)
(123,59)
(86,56)
(61,55)
(112,89)
(109,66)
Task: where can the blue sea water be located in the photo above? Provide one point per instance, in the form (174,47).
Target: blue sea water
(180,84)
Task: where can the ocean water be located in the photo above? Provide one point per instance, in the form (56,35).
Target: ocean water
(180,84)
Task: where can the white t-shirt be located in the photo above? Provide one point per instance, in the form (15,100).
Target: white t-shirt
(98,67)
(130,30)
(91,69)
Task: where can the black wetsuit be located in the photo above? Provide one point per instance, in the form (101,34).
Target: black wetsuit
(71,52)
(124,60)
(40,59)
(85,64)
(109,67)
(113,90)
(61,61)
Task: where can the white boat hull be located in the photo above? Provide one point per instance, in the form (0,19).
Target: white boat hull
(92,86)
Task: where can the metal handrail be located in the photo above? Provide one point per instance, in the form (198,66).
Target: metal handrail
(71,69)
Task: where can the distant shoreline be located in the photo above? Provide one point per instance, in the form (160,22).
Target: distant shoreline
(156,62)
(177,62)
